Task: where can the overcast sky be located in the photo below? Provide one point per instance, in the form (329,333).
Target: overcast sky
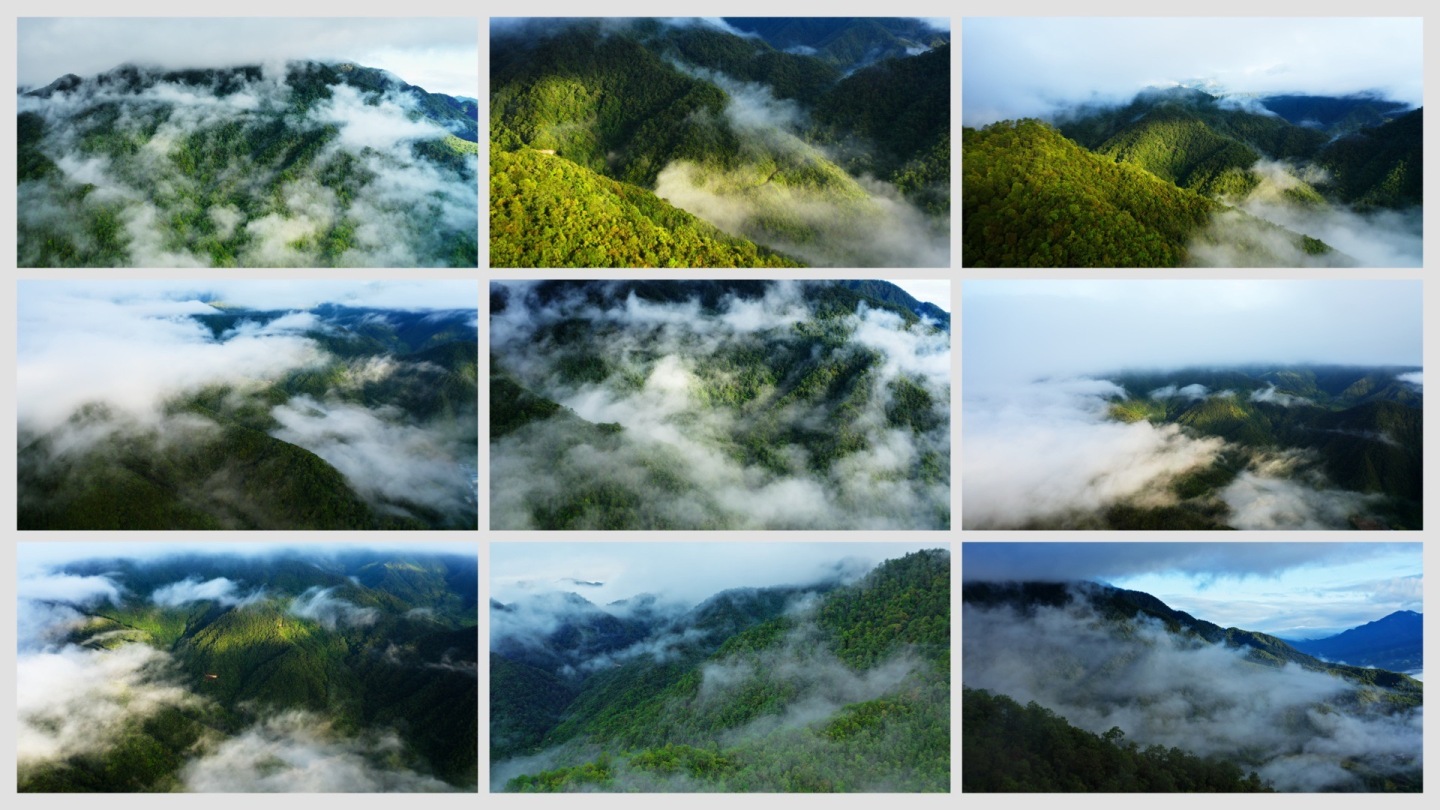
(687,572)
(37,558)
(259,294)
(1018,331)
(1292,590)
(1017,67)
(438,54)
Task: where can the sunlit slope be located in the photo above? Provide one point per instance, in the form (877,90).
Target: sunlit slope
(546,211)
(364,646)
(1034,198)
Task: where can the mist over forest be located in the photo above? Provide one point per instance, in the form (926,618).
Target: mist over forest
(1088,143)
(173,668)
(1080,684)
(156,406)
(836,681)
(707,142)
(276,159)
(717,405)
(1248,405)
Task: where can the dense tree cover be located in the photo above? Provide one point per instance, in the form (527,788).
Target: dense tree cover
(1379,167)
(394,670)
(548,212)
(847,42)
(1334,115)
(900,112)
(666,723)
(655,105)
(1034,198)
(761,380)
(1026,190)
(1029,749)
(1362,427)
(216,183)
(216,463)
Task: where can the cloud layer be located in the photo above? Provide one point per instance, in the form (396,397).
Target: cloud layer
(1034,67)
(1296,728)
(666,359)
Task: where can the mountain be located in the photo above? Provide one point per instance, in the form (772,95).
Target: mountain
(762,151)
(827,688)
(848,42)
(1334,114)
(1393,642)
(294,446)
(1273,189)
(1188,704)
(1352,435)
(721,404)
(1032,197)
(295,670)
(309,164)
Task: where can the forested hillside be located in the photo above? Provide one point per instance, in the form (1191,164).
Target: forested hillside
(1354,435)
(1124,693)
(335,671)
(828,688)
(355,418)
(717,405)
(1179,177)
(772,147)
(308,164)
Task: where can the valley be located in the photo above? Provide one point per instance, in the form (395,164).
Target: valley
(705,142)
(297,405)
(1081,685)
(838,684)
(1213,167)
(717,405)
(246,669)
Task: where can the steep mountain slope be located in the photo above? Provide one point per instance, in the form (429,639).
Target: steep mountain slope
(717,125)
(1293,187)
(784,689)
(535,221)
(1125,665)
(313,165)
(298,450)
(1394,642)
(1380,166)
(716,404)
(269,672)
(1035,198)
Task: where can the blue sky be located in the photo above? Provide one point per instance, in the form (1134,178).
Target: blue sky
(1017,67)
(1291,590)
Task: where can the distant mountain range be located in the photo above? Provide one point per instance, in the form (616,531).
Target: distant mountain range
(1395,642)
